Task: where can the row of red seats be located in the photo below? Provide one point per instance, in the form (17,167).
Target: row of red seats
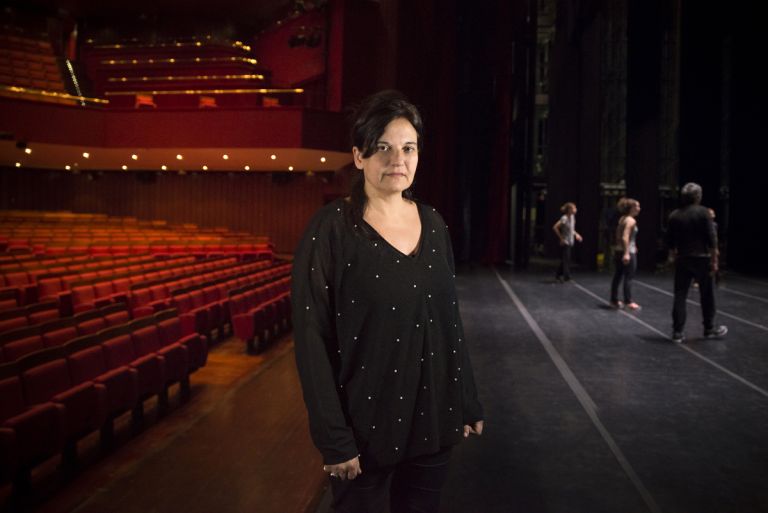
(58,287)
(261,312)
(207,308)
(23,280)
(18,342)
(28,315)
(52,398)
(154,296)
(202,250)
(91,294)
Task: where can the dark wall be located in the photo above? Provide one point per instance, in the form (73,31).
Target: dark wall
(259,203)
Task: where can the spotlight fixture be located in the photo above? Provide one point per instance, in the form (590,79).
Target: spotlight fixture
(273,157)
(247,168)
(27,150)
(322,159)
(179,157)
(86,155)
(18,164)
(205,168)
(163,167)
(135,157)
(125,167)
(290,168)
(67,167)
(225,156)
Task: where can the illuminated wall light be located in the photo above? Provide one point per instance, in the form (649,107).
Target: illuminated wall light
(27,150)
(135,157)
(86,155)
(179,157)
(67,167)
(247,168)
(322,159)
(164,167)
(125,167)
(273,157)
(290,168)
(18,164)
(225,156)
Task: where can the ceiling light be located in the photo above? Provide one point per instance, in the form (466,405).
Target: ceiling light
(205,168)
(135,157)
(27,150)
(18,164)
(125,167)
(273,157)
(163,167)
(290,168)
(225,156)
(247,168)
(179,157)
(322,159)
(86,155)
(67,167)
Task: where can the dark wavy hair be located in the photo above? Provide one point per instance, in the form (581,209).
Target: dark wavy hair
(369,120)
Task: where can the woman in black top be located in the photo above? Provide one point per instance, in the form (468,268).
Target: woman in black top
(379,343)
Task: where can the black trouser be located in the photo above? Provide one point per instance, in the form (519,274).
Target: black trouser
(565,263)
(412,486)
(687,269)
(626,271)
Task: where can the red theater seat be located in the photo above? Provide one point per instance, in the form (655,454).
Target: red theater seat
(29,434)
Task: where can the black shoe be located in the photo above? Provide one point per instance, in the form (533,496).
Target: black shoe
(716,332)
(678,337)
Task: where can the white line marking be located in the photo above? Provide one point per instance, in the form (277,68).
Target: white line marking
(724,314)
(738,293)
(681,346)
(581,395)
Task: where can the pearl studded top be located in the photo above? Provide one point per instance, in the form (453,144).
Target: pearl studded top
(379,343)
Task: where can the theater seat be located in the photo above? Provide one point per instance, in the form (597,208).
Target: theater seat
(29,434)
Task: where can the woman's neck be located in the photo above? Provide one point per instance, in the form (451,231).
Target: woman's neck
(386,205)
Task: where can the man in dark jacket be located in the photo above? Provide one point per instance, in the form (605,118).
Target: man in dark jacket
(692,241)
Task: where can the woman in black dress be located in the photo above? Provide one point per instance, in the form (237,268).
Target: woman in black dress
(379,342)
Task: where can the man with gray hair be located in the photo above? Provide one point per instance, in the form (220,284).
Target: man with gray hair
(692,242)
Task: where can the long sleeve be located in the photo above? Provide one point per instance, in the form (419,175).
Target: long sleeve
(316,344)
(471,407)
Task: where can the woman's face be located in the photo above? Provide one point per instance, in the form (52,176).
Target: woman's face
(635,210)
(391,168)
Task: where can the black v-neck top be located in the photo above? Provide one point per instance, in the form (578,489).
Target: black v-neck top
(379,343)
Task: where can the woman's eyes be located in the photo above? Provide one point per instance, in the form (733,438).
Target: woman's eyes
(387,147)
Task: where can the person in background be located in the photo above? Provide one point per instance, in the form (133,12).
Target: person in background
(380,348)
(692,242)
(565,229)
(625,253)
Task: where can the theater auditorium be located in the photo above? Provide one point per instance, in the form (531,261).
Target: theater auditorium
(161,162)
